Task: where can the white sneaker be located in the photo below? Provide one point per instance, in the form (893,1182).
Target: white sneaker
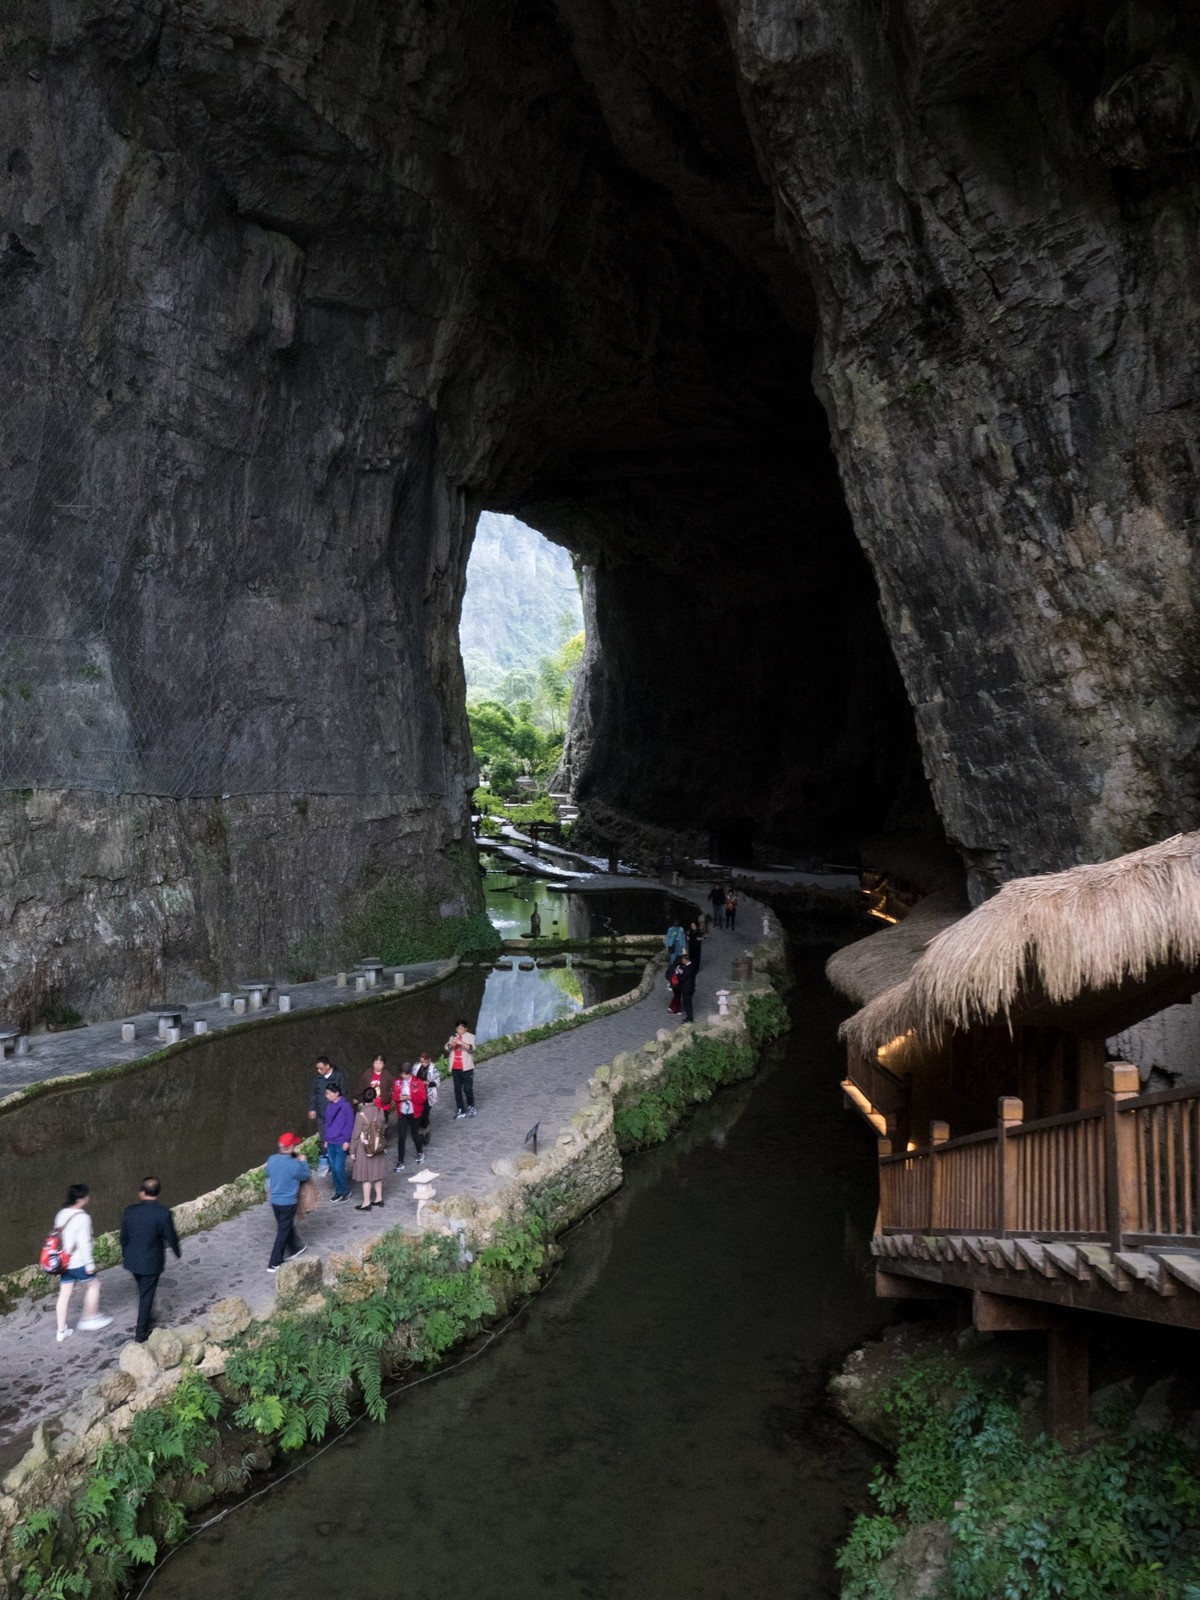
(65,1333)
(93,1324)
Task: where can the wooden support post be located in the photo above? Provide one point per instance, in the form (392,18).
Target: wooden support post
(939,1132)
(1010,1114)
(1120,1153)
(1067,1380)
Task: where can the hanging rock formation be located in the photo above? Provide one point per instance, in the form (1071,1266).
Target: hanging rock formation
(771,312)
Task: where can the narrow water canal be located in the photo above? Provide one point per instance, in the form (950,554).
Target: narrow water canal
(653,1426)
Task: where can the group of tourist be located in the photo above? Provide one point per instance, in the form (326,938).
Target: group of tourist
(352,1134)
(147,1230)
(685,946)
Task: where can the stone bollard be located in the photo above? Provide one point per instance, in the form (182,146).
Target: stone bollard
(199,1028)
(722,1002)
(360,983)
(128,1033)
(239,1006)
(225,1000)
(398,981)
(370,977)
(285,1004)
(23,1044)
(341,980)
(162,1027)
(172,1035)
(256,999)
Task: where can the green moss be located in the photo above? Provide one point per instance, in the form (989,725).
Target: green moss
(766,1018)
(643,1117)
(402,928)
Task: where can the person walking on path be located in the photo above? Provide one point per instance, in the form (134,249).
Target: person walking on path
(74,1227)
(431,1078)
(687,988)
(147,1229)
(731,910)
(323,1076)
(378,1077)
(368,1145)
(717,897)
(286,1171)
(411,1098)
(673,985)
(675,941)
(460,1051)
(695,938)
(339,1125)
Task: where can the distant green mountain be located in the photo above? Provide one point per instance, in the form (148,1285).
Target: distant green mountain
(521,604)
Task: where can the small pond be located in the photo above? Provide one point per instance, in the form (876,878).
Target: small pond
(577,913)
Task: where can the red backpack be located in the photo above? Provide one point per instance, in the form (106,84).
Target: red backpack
(53,1258)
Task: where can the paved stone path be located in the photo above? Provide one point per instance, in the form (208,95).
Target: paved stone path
(56,1055)
(545,1082)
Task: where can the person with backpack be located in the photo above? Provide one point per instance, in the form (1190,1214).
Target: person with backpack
(339,1126)
(675,941)
(73,1227)
(147,1228)
(460,1052)
(432,1078)
(410,1097)
(368,1144)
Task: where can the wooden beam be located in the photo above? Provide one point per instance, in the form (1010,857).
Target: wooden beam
(892,1286)
(1067,1380)
(1001,1313)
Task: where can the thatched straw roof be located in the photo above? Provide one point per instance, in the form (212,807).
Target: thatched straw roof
(866,968)
(1127,929)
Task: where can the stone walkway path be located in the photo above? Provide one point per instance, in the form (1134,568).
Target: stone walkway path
(56,1055)
(545,1082)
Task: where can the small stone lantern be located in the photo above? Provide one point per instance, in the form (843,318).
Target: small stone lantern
(423,1189)
(722,1002)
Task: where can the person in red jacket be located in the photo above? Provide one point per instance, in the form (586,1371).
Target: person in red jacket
(410,1096)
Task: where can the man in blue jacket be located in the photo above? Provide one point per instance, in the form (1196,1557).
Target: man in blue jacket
(147,1228)
(286,1171)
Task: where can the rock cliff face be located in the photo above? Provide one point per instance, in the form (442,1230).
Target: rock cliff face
(768,310)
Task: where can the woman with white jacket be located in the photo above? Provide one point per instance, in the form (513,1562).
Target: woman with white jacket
(74,1227)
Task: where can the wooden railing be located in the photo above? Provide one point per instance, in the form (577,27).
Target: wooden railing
(1127,1172)
(887,1093)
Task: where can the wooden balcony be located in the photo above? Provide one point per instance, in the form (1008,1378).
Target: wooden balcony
(1095,1210)
(880,1096)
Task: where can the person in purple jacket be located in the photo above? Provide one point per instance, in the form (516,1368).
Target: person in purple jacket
(339,1124)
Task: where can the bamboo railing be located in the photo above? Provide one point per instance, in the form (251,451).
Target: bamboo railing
(1126,1172)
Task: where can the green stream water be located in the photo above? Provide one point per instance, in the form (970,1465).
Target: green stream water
(653,1426)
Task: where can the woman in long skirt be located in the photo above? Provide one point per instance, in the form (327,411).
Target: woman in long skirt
(368,1162)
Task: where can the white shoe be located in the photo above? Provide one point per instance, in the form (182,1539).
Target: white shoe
(65,1333)
(93,1324)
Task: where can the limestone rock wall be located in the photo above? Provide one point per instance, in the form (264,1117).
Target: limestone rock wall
(774,311)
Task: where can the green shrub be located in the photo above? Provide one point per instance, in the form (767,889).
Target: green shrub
(766,1018)
(1029,1520)
(646,1117)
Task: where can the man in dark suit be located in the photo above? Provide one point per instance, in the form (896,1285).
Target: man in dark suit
(147,1227)
(687,986)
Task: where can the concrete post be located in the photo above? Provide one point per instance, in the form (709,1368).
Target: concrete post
(256,999)
(285,1003)
(239,1006)
(398,981)
(341,980)
(199,1028)
(360,982)
(225,1000)
(128,1033)
(172,1035)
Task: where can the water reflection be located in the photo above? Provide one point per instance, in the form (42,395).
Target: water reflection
(577,914)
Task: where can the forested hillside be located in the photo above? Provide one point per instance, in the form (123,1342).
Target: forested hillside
(522,603)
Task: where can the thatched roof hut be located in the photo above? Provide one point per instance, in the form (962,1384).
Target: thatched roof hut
(870,966)
(1094,948)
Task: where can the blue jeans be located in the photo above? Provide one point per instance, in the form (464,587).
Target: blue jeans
(337,1168)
